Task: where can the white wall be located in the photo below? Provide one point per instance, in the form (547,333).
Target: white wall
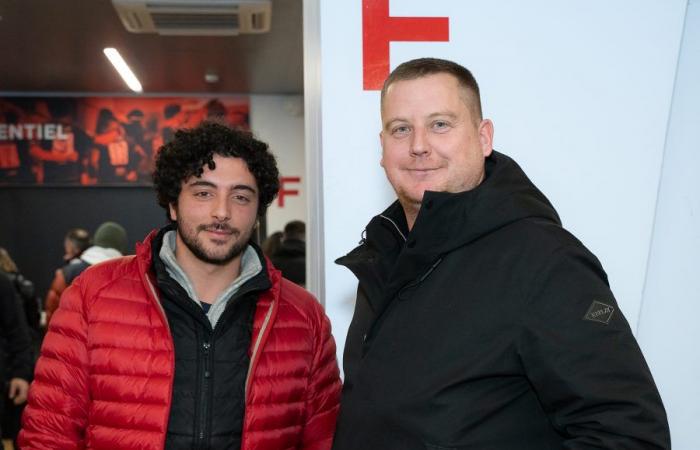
(668,325)
(279,121)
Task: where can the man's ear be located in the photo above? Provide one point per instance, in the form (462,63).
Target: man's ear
(172,212)
(486,137)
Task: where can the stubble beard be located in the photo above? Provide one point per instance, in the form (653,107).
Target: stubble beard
(197,248)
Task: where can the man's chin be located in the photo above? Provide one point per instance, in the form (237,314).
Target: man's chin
(218,254)
(216,259)
(412,198)
(221,258)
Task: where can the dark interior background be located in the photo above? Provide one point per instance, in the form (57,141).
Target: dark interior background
(34,221)
(55,48)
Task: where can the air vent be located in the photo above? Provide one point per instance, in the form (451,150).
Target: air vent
(195,18)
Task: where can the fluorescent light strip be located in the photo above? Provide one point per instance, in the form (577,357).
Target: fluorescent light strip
(123,68)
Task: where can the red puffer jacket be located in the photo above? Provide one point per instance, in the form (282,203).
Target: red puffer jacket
(105,375)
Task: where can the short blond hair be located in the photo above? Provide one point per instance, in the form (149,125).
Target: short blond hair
(423,67)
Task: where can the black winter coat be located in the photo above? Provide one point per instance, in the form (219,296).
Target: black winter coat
(15,342)
(488,326)
(290,258)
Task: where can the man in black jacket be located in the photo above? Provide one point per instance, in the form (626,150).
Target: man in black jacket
(290,257)
(480,322)
(15,345)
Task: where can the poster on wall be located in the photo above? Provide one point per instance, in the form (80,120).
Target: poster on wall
(98,141)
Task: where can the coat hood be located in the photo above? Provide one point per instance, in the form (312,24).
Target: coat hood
(505,196)
(144,256)
(446,221)
(96,254)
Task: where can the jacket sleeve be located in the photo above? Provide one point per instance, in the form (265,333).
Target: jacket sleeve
(15,333)
(56,413)
(583,361)
(58,285)
(323,391)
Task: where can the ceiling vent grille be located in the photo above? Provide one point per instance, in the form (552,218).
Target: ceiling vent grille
(195,18)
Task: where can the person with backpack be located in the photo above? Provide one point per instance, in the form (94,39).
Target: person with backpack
(77,240)
(110,242)
(26,293)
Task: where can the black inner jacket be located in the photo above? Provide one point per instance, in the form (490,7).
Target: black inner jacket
(469,332)
(211,364)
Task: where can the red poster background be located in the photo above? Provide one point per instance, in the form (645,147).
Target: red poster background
(98,140)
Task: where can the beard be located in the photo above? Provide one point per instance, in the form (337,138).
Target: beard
(220,258)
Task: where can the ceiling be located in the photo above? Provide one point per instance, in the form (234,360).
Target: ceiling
(56,46)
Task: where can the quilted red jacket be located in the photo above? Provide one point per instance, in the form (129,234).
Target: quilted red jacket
(105,375)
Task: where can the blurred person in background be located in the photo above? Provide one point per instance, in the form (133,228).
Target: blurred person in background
(16,356)
(26,292)
(290,256)
(272,243)
(76,241)
(110,242)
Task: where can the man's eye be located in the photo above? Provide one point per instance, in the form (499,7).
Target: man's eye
(440,125)
(202,194)
(242,199)
(400,130)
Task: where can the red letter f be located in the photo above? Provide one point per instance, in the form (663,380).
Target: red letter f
(379,30)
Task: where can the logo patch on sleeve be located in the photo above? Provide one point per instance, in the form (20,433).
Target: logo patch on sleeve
(599,312)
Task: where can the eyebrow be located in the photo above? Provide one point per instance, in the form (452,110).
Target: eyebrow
(393,121)
(237,187)
(431,116)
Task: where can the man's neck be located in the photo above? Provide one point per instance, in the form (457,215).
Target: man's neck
(208,280)
(411,211)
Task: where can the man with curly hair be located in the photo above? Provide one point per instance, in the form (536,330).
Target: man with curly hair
(196,342)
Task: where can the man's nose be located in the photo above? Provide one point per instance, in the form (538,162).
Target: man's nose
(221,208)
(419,142)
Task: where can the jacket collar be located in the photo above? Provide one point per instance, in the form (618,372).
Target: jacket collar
(392,256)
(144,255)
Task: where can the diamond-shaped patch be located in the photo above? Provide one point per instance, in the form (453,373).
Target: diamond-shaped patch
(599,312)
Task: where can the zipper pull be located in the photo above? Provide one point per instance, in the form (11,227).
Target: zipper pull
(207,366)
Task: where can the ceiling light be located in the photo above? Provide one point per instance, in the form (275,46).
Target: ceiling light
(210,76)
(123,68)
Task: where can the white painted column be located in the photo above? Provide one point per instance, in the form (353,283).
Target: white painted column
(668,325)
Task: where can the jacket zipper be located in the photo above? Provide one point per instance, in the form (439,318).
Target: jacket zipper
(172,361)
(253,358)
(395,226)
(256,347)
(366,338)
(204,395)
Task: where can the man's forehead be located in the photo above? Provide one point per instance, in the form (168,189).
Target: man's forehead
(441,79)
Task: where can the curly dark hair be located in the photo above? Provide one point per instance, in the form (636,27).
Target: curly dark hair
(192,149)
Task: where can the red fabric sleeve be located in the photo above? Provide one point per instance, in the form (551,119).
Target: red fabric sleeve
(56,414)
(323,393)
